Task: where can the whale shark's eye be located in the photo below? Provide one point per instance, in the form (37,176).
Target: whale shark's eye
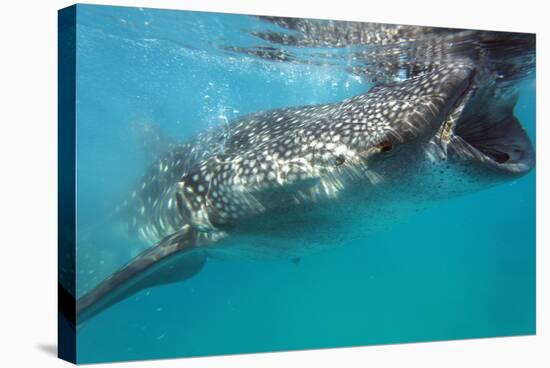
(339,160)
(385,146)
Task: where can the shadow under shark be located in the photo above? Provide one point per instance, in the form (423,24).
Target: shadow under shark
(286,179)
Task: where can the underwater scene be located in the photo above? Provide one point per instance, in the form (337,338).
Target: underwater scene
(251,184)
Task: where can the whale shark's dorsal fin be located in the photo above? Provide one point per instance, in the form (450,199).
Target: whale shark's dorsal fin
(176,257)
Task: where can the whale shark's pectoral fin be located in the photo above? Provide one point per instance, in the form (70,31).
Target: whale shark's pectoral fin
(175,258)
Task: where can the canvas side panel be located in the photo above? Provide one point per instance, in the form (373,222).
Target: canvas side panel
(66,183)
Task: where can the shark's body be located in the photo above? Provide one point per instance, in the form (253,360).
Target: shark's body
(289,178)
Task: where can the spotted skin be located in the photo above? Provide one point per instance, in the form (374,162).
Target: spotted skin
(303,153)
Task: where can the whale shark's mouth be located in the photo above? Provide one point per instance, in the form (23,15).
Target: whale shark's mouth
(499,142)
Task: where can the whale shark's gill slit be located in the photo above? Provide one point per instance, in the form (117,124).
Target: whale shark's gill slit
(179,202)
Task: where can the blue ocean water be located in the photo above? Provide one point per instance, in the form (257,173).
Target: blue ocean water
(463,268)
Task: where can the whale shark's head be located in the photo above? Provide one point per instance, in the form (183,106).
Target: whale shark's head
(442,133)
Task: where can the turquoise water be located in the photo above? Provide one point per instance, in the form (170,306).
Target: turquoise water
(463,268)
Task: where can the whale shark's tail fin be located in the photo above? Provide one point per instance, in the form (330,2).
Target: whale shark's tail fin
(174,258)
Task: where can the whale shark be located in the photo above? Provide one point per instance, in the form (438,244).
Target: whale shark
(289,179)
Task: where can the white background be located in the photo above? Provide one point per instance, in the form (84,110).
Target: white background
(28,185)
